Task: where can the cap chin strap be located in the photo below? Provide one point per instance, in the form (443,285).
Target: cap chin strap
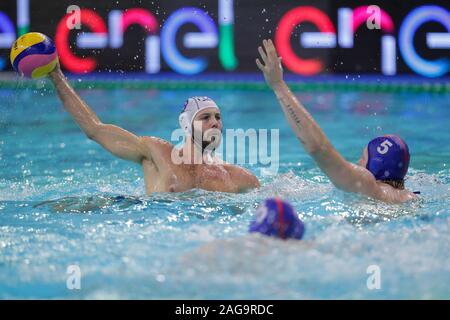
(197,144)
(208,153)
(184,123)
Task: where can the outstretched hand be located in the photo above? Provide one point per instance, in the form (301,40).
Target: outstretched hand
(273,72)
(56,69)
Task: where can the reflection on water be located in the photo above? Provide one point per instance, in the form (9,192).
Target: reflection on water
(65,201)
(168,246)
(90,204)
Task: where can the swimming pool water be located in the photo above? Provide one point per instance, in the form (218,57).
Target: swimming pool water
(65,201)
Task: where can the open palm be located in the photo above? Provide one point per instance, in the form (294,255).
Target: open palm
(273,72)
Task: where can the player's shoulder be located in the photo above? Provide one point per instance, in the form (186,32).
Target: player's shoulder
(152,139)
(393,195)
(156,141)
(242,174)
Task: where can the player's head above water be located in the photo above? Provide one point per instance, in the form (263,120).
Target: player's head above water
(277,218)
(387,158)
(201,119)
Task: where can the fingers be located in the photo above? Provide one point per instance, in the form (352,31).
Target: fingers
(268,54)
(262,54)
(271,51)
(266,46)
(259,64)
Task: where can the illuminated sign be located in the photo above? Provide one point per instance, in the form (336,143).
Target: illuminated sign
(414,20)
(99,34)
(348,22)
(119,21)
(7,30)
(206,38)
(285,28)
(409,36)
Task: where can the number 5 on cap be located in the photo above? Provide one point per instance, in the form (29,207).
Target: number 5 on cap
(385,144)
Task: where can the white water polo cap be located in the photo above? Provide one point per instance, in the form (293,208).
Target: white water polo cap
(192,106)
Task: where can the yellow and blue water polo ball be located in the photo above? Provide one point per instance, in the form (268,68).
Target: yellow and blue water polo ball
(34,55)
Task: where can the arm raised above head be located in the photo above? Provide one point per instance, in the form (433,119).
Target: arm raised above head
(305,128)
(118,141)
(343,174)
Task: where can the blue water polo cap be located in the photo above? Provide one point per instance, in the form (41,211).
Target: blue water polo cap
(388,158)
(277,218)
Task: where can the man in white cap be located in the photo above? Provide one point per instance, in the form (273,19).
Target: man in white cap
(200,119)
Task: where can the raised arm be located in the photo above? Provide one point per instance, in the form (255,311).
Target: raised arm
(343,174)
(118,141)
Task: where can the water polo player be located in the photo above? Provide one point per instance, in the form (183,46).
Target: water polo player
(277,218)
(200,116)
(381,171)
(166,169)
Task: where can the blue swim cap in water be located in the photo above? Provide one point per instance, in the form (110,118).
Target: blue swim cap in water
(277,218)
(388,158)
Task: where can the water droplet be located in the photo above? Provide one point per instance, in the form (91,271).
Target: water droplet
(160,278)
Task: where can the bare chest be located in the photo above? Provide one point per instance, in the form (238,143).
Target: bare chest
(214,178)
(178,178)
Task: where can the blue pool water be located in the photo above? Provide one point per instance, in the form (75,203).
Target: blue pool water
(65,201)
